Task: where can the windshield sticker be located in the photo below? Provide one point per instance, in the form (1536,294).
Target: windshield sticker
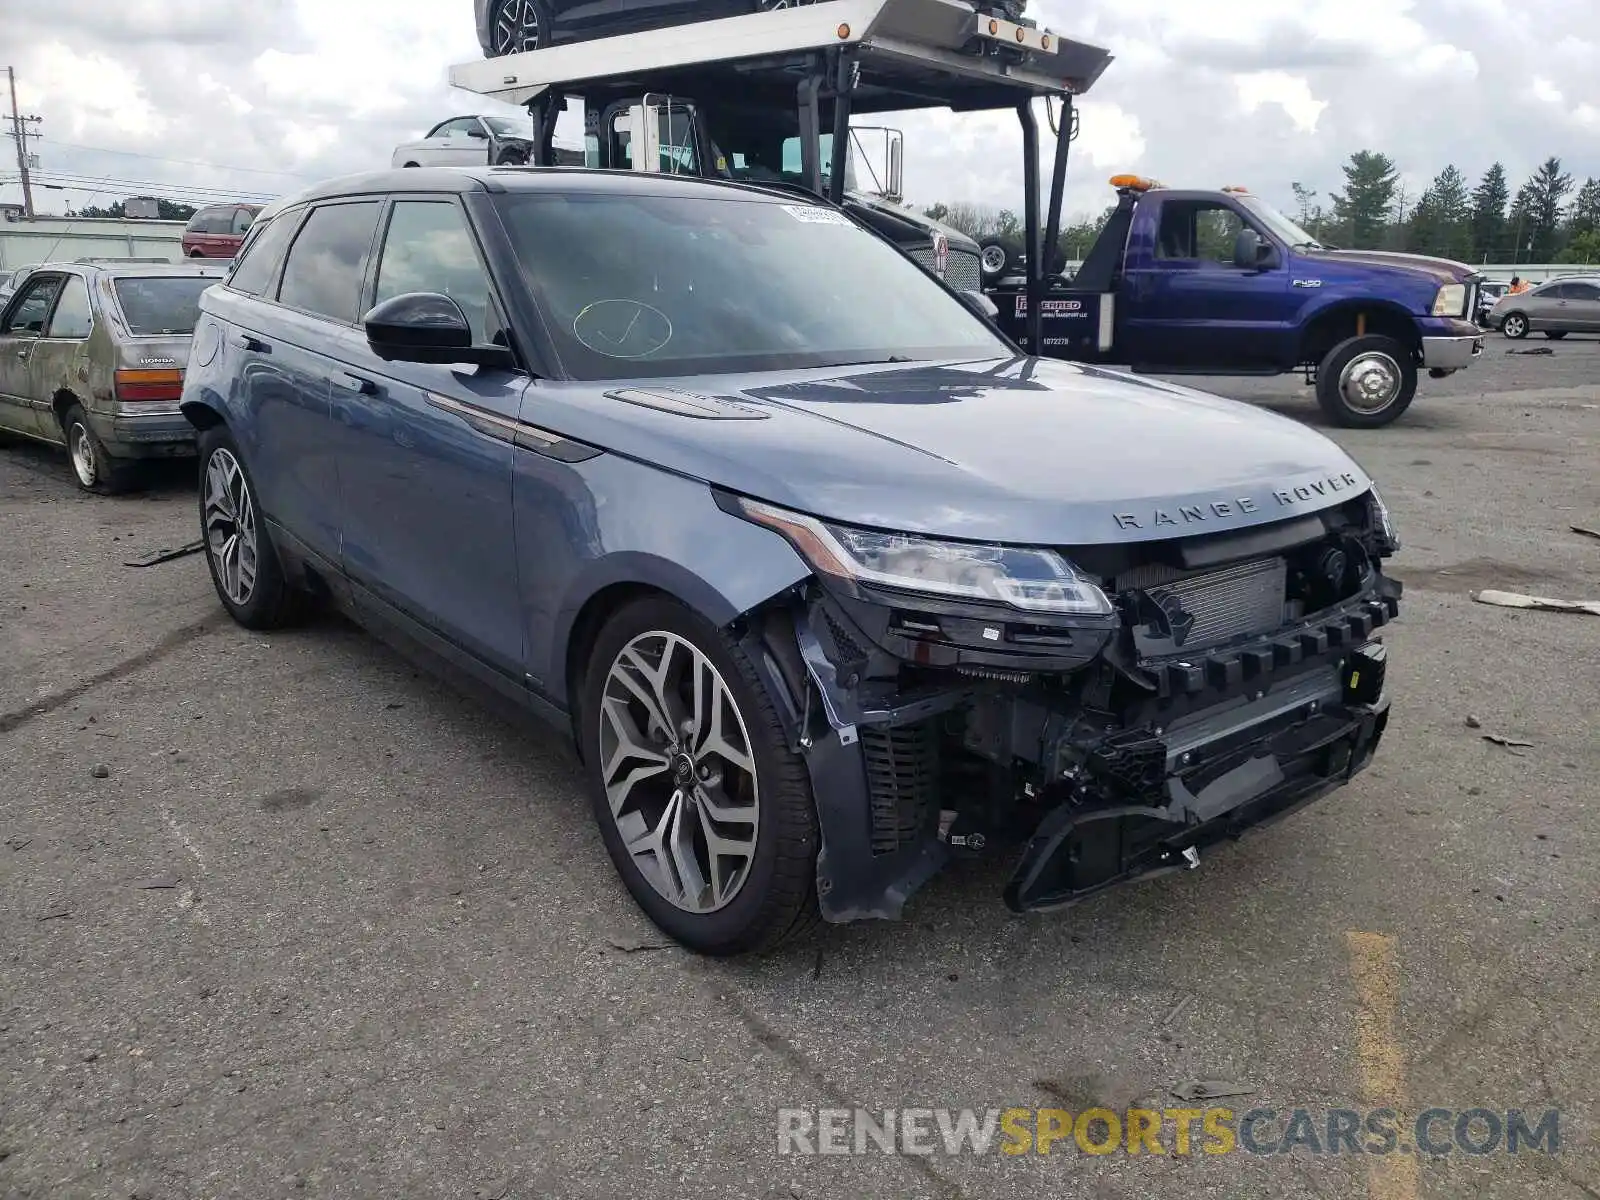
(812,214)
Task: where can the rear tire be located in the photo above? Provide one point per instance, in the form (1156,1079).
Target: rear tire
(244,563)
(516,26)
(1514,326)
(93,467)
(1555,335)
(996,258)
(696,751)
(1367,382)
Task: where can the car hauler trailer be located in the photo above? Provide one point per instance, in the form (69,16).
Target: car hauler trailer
(737,97)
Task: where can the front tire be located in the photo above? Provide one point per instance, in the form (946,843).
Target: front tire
(93,467)
(1515,326)
(1367,382)
(512,158)
(244,563)
(705,811)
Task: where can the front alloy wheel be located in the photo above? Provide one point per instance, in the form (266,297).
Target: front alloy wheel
(705,810)
(1515,326)
(678,771)
(515,27)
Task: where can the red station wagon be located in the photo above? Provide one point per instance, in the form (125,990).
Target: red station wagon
(216,232)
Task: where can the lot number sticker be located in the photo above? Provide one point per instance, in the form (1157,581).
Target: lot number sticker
(813,215)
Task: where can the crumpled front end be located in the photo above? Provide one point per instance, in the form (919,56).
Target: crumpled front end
(1235,679)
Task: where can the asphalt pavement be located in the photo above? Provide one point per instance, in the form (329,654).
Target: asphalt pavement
(281,915)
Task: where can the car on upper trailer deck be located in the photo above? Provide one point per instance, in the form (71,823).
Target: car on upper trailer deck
(826,589)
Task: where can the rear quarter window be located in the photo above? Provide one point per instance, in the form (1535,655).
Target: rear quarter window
(257,265)
(327,265)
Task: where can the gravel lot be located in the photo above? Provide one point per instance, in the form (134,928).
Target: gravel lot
(389,956)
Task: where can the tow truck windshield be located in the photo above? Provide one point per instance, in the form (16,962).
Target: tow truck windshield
(647,285)
(1280,226)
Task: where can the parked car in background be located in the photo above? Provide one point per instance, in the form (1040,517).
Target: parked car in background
(92,356)
(476,141)
(823,585)
(216,232)
(1489,292)
(1562,306)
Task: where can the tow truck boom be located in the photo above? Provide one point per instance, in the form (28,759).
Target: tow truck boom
(866,56)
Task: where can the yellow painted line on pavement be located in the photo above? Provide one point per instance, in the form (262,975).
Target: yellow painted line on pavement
(1380,1062)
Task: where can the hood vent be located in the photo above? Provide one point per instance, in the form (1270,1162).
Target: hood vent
(682,403)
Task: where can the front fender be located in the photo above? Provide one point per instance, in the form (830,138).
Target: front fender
(587,531)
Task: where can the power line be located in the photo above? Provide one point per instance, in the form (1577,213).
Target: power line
(75,182)
(182,162)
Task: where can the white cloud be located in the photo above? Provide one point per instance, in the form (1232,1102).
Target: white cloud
(1289,92)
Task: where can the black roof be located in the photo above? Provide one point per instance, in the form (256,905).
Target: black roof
(460,180)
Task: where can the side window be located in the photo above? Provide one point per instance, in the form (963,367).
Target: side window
(328,262)
(457,127)
(1196,230)
(1552,291)
(258,267)
(72,317)
(242,217)
(429,249)
(32,306)
(1583,291)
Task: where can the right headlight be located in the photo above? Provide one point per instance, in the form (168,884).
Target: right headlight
(1381,520)
(1024,578)
(1451,300)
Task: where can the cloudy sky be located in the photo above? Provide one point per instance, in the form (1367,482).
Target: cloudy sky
(262,97)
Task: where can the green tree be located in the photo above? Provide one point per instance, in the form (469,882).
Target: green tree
(1536,213)
(1585,215)
(1303,199)
(1362,209)
(1442,221)
(169,210)
(1489,215)
(1584,248)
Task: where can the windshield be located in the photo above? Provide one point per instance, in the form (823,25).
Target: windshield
(651,285)
(510,127)
(762,150)
(161,306)
(1278,225)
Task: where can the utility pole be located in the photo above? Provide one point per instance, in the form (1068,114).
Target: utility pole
(19,130)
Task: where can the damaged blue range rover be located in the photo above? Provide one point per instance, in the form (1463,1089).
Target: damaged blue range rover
(827,580)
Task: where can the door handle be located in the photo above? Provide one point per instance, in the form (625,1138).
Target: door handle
(253,344)
(22,353)
(359,384)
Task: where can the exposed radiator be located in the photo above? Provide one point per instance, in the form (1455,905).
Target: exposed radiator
(1233,602)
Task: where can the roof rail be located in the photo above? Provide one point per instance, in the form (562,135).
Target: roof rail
(167,262)
(912,54)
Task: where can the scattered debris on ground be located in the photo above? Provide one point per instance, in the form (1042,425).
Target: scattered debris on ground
(1532,350)
(1473,722)
(1544,603)
(156,882)
(1508,743)
(1210,1089)
(1594,533)
(632,945)
(165,554)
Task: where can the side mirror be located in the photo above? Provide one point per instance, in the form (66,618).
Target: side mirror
(478,132)
(980,304)
(426,327)
(1251,250)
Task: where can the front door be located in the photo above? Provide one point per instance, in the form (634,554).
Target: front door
(1190,306)
(425,456)
(21,327)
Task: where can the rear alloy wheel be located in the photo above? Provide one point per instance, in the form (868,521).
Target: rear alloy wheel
(1366,382)
(775,5)
(517,26)
(92,465)
(1515,326)
(244,563)
(706,813)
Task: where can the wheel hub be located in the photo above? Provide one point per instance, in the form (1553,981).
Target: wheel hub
(1371,382)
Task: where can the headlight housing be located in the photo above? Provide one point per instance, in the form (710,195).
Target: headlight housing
(1381,520)
(1451,301)
(1024,578)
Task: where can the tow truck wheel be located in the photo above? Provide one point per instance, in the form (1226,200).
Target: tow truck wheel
(995,257)
(1515,326)
(705,810)
(1365,382)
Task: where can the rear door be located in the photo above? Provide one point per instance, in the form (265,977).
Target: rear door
(1545,306)
(59,358)
(21,326)
(425,451)
(1583,307)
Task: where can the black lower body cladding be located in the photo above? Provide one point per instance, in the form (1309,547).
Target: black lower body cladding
(1097,751)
